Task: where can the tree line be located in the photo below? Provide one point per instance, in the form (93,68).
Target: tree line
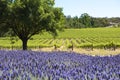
(86,21)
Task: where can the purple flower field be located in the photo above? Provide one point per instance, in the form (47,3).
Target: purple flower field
(30,65)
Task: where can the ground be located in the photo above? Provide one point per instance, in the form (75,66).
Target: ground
(94,52)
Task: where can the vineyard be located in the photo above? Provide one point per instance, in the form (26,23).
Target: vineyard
(80,38)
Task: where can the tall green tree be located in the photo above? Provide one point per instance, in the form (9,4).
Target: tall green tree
(68,22)
(3,18)
(30,17)
(86,20)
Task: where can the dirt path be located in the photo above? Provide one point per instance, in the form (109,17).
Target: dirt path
(99,52)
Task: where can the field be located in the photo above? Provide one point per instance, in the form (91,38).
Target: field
(79,38)
(62,65)
(29,65)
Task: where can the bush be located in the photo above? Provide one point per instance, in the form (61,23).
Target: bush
(110,46)
(88,46)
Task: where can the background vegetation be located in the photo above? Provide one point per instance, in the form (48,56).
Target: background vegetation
(87,21)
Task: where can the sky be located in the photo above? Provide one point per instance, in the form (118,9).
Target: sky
(95,8)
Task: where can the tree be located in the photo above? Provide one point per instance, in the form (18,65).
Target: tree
(76,22)
(68,22)
(30,17)
(3,7)
(86,20)
(73,22)
(3,11)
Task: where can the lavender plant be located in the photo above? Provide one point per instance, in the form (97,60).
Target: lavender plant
(30,65)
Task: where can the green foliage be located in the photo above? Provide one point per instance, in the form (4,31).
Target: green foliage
(3,16)
(86,21)
(29,17)
(99,45)
(110,45)
(89,38)
(88,33)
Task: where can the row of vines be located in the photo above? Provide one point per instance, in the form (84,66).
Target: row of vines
(103,38)
(90,43)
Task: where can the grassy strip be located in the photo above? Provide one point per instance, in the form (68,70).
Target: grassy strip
(79,38)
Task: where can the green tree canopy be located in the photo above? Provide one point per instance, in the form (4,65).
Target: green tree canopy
(3,18)
(30,17)
(86,20)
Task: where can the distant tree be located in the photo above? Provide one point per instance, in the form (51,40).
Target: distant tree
(73,22)
(30,17)
(86,20)
(76,22)
(100,22)
(114,19)
(68,22)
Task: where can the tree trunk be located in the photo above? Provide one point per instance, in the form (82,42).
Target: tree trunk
(24,44)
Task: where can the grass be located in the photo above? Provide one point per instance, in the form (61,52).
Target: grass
(85,33)
(81,38)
